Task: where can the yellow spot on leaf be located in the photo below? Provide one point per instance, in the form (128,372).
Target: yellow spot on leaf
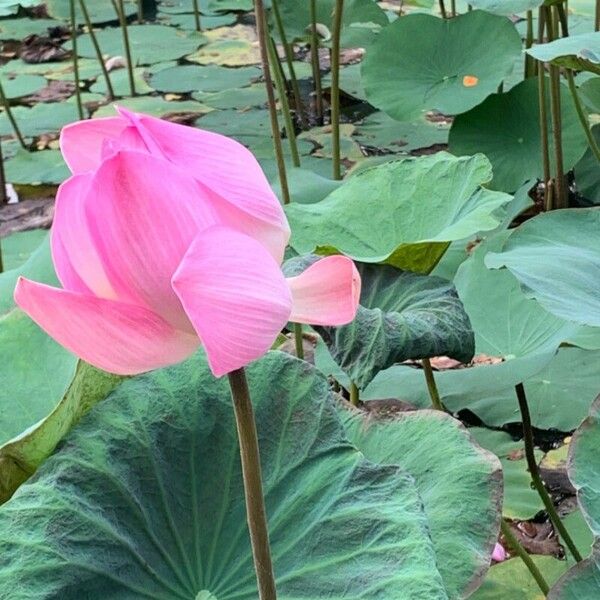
(470,80)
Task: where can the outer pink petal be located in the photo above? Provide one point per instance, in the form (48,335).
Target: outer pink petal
(81,142)
(117,337)
(235,295)
(143,213)
(327,293)
(499,553)
(227,168)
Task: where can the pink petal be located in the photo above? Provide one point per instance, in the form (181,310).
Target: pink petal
(327,293)
(114,336)
(143,213)
(499,553)
(235,295)
(81,142)
(228,169)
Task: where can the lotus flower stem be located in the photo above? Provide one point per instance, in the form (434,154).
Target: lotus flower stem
(561,196)
(251,473)
(314,54)
(354,394)
(524,556)
(299,340)
(11,118)
(535,473)
(140,11)
(543,116)
(263,39)
(431,385)
(597,17)
(289,59)
(94,40)
(453,7)
(283,101)
(335,87)
(583,118)
(3,197)
(120,10)
(563,18)
(75,60)
(196,5)
(529,60)
(443,9)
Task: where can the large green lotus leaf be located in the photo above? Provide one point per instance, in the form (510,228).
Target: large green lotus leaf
(512,580)
(420,63)
(560,390)
(41,118)
(459,482)
(17,29)
(361,20)
(587,174)
(35,168)
(520,501)
(145,499)
(506,129)
(18,247)
(402,315)
(507,324)
(415,207)
(211,78)
(254,95)
(23,85)
(21,455)
(188,20)
(149,43)
(506,7)
(100,12)
(119,80)
(581,52)
(583,580)
(155,105)
(556,258)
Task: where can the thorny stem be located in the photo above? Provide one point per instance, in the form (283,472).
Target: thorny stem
(524,556)
(118,4)
(443,9)
(543,114)
(314,54)
(453,7)
(11,117)
(261,27)
(75,59)
(354,394)
(583,118)
(299,340)
(335,87)
(535,473)
(196,5)
(597,17)
(252,476)
(283,101)
(289,59)
(563,18)
(94,39)
(431,385)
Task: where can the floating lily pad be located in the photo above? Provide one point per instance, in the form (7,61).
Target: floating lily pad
(17,29)
(350,81)
(41,118)
(22,85)
(252,96)
(561,271)
(506,7)
(462,496)
(100,12)
(176,455)
(120,83)
(402,315)
(35,168)
(191,78)
(420,63)
(17,247)
(149,43)
(188,21)
(422,205)
(506,129)
(155,105)
(581,52)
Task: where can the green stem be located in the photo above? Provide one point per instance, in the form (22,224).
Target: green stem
(583,118)
(289,59)
(335,87)
(431,385)
(261,27)
(94,40)
(314,55)
(597,17)
(140,11)
(443,9)
(11,118)
(543,115)
(252,476)
(354,394)
(529,60)
(283,101)
(299,340)
(120,10)
(75,59)
(3,196)
(453,7)
(563,18)
(524,556)
(535,473)
(196,4)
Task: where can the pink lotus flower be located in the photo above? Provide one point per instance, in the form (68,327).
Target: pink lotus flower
(167,237)
(499,553)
